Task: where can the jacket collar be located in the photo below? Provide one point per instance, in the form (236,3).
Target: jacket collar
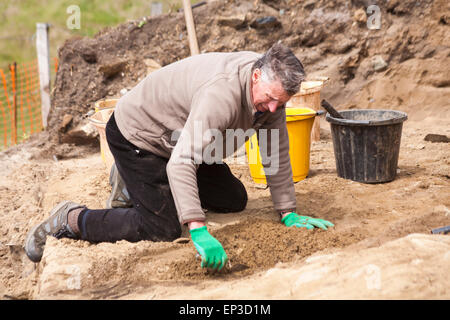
(245,75)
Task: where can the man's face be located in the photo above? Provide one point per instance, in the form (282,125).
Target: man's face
(267,96)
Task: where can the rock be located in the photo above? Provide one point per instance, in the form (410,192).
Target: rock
(436,138)
(266,23)
(423,185)
(235,21)
(444,19)
(426,53)
(348,66)
(84,133)
(312,36)
(366,68)
(360,16)
(112,68)
(260,186)
(378,63)
(151,65)
(65,123)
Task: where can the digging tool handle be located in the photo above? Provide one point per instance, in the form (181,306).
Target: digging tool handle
(332,111)
(443,230)
(190,26)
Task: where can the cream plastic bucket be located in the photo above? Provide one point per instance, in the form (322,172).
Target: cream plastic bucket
(103,111)
(309,97)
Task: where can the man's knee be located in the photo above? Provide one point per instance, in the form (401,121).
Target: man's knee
(241,199)
(236,200)
(161,229)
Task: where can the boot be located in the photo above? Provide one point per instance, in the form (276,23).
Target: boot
(119,197)
(56,225)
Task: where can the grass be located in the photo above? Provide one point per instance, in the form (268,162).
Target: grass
(18,20)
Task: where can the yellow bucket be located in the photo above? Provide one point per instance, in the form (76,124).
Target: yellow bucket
(103,111)
(299,122)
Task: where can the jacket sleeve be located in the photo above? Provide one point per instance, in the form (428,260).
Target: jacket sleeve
(210,114)
(273,140)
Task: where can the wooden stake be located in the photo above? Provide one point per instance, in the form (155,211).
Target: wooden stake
(43,54)
(193,44)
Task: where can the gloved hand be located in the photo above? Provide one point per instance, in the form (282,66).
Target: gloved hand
(213,255)
(292,219)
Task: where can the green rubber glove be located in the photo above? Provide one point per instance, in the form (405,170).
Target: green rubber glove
(294,220)
(213,255)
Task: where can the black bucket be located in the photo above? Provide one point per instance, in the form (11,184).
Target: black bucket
(367,144)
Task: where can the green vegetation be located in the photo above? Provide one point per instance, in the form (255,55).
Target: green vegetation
(18,20)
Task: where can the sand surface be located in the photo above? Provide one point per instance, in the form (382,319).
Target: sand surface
(380,247)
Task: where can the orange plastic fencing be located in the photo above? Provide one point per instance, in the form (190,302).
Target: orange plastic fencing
(20,102)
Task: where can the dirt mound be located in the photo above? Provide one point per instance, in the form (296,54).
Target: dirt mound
(255,244)
(331,39)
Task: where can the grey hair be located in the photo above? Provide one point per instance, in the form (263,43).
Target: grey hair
(280,63)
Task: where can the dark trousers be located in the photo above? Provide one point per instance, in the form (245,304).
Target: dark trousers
(153,215)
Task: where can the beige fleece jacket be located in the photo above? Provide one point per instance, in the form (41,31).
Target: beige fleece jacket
(184,111)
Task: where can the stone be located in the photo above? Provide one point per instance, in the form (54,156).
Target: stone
(436,138)
(65,123)
(83,134)
(235,21)
(112,68)
(378,63)
(151,65)
(265,23)
(360,16)
(445,19)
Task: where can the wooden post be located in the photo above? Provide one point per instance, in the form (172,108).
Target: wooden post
(156,9)
(193,45)
(43,54)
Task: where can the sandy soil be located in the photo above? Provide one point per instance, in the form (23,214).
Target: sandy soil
(381,246)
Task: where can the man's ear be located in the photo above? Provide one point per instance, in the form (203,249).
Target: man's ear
(256,75)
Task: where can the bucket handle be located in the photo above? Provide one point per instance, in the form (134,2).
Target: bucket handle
(350,121)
